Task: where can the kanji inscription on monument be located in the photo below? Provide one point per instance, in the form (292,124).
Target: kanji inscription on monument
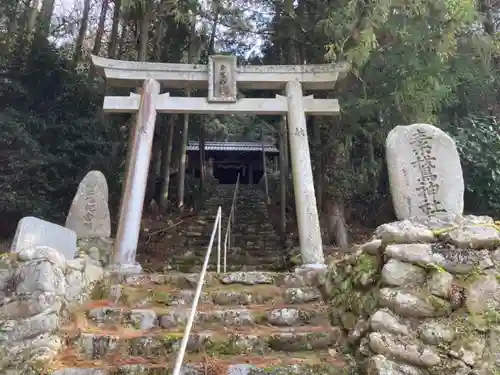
(89,214)
(222,79)
(425,166)
(424,172)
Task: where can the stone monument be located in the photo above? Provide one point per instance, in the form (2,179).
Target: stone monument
(32,232)
(424,172)
(89,213)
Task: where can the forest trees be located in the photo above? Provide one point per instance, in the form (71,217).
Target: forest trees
(421,61)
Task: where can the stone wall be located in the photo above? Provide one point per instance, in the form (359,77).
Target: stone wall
(422,298)
(38,288)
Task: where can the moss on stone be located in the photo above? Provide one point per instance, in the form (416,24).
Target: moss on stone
(100,290)
(365,270)
(161,297)
(216,348)
(431,267)
(464,327)
(474,275)
(351,286)
(172,336)
(440,306)
(483,322)
(323,369)
(6,259)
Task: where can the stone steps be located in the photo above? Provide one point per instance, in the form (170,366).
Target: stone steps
(230,267)
(198,364)
(237,258)
(99,343)
(196,268)
(306,278)
(143,296)
(252,231)
(268,320)
(175,317)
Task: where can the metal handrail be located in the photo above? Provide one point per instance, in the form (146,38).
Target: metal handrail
(194,307)
(230,220)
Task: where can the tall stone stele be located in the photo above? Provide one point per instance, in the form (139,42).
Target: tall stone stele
(89,215)
(424,172)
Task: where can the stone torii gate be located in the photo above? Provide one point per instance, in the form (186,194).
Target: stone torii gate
(222,77)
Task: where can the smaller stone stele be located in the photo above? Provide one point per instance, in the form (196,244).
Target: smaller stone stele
(89,213)
(32,232)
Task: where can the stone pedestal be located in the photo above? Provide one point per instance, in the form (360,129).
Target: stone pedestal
(311,246)
(125,269)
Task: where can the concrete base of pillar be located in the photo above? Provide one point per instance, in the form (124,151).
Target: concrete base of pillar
(126,269)
(309,267)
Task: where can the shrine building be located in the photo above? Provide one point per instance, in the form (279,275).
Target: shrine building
(224,160)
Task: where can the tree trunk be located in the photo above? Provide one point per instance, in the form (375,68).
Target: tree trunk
(202,165)
(82,32)
(100,28)
(113,38)
(155,159)
(121,42)
(488,17)
(45,17)
(334,204)
(291,50)
(301,43)
(33,15)
(12,18)
(166,161)
(283,177)
(182,160)
(211,43)
(159,34)
(264,163)
(337,228)
(98,36)
(319,166)
(278,38)
(144,36)
(183,150)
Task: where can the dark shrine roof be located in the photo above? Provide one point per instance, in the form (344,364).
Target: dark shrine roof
(233,146)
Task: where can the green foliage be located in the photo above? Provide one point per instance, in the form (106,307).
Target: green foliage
(51,136)
(478,142)
(420,61)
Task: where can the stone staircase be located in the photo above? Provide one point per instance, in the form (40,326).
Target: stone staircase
(254,240)
(251,322)
(248,323)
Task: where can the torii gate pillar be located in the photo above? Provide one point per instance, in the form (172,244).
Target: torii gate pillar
(134,189)
(311,247)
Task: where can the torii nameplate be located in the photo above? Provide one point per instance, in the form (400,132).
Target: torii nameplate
(222,79)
